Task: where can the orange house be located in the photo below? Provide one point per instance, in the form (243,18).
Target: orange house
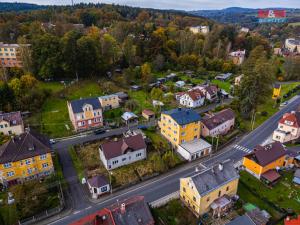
(265,159)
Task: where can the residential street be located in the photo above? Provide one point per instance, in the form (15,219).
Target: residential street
(168,183)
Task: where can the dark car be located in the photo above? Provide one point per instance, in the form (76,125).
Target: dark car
(99,131)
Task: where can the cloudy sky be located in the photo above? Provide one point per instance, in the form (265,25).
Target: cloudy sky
(180,4)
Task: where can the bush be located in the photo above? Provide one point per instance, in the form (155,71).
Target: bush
(264,113)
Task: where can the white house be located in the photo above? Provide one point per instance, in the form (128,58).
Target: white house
(122,152)
(210,91)
(98,185)
(180,84)
(192,99)
(194,149)
(200,29)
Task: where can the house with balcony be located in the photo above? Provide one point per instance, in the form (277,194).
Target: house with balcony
(25,157)
(122,152)
(288,128)
(219,123)
(210,190)
(11,123)
(85,113)
(179,126)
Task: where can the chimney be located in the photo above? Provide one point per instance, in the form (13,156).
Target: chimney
(220,166)
(123,208)
(293,112)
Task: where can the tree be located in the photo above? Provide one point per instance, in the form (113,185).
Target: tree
(7,97)
(157,162)
(28,82)
(156,94)
(146,73)
(292,68)
(159,62)
(129,50)
(131,105)
(15,85)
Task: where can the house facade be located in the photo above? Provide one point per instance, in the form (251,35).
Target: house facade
(98,185)
(276,91)
(25,157)
(179,126)
(125,151)
(10,55)
(292,45)
(200,192)
(219,123)
(192,99)
(85,113)
(200,29)
(266,158)
(11,123)
(237,57)
(109,101)
(288,128)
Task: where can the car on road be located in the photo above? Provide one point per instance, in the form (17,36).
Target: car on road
(99,131)
(52,141)
(284,104)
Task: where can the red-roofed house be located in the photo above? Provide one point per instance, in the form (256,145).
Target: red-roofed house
(125,151)
(192,99)
(291,221)
(102,217)
(288,128)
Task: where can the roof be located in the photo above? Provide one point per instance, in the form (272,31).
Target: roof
(211,89)
(114,149)
(277,85)
(128,115)
(296,180)
(195,145)
(13,118)
(264,155)
(241,220)
(148,112)
(293,119)
(98,181)
(102,217)
(297,173)
(259,216)
(214,177)
(108,96)
(183,116)
(133,211)
(290,221)
(77,105)
(24,146)
(249,207)
(195,94)
(271,175)
(218,118)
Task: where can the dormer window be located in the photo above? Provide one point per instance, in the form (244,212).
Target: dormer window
(287,122)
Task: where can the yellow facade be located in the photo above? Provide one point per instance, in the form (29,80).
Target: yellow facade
(27,168)
(201,204)
(177,134)
(276,92)
(109,101)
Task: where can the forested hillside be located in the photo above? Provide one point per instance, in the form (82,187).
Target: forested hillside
(6,6)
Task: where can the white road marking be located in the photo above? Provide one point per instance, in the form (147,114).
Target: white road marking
(76,212)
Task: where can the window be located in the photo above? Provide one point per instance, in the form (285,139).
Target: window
(104,189)
(219,193)
(183,133)
(207,199)
(124,159)
(138,155)
(184,126)
(29,171)
(45,165)
(227,189)
(10,174)
(43,157)
(195,137)
(27,161)
(184,190)
(7,165)
(194,198)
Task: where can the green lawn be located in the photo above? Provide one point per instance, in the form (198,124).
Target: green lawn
(223,85)
(142,98)
(52,86)
(284,194)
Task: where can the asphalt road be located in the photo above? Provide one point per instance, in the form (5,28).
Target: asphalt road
(161,186)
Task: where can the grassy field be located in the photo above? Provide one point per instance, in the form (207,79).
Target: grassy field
(294,24)
(284,194)
(142,98)
(222,85)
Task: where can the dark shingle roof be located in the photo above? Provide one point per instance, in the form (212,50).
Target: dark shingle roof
(77,105)
(241,220)
(264,155)
(98,181)
(113,149)
(183,116)
(208,180)
(27,145)
(218,119)
(13,118)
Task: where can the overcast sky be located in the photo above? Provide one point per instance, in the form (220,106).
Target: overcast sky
(180,4)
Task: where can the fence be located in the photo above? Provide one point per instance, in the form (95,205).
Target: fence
(164,200)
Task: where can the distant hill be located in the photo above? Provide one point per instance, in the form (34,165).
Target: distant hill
(6,7)
(239,15)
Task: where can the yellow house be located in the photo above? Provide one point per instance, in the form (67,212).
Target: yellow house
(25,157)
(109,102)
(180,125)
(266,158)
(276,91)
(210,189)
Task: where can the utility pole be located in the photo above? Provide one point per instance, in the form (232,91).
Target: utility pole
(217,142)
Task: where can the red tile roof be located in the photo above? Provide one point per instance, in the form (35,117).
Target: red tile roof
(289,221)
(102,217)
(195,94)
(114,149)
(271,175)
(293,118)
(148,112)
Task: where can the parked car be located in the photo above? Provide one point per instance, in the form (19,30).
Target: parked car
(52,141)
(99,131)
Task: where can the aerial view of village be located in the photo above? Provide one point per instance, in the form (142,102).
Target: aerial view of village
(150,112)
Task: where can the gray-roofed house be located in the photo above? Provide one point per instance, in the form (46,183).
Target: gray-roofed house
(218,123)
(98,185)
(132,211)
(241,220)
(210,189)
(194,149)
(85,113)
(122,152)
(11,123)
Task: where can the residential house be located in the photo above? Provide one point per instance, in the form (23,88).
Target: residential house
(11,55)
(241,220)
(288,128)
(129,117)
(210,189)
(194,149)
(180,84)
(135,87)
(25,157)
(180,125)
(101,217)
(237,57)
(200,29)
(244,30)
(211,92)
(292,221)
(123,97)
(133,211)
(122,152)
(292,45)
(276,91)
(98,185)
(238,79)
(218,123)
(148,114)
(192,99)
(264,160)
(85,113)
(109,101)
(223,76)
(11,123)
